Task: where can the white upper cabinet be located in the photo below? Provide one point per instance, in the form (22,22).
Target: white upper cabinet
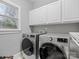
(46,15)
(70,10)
(38,16)
(60,11)
(54,13)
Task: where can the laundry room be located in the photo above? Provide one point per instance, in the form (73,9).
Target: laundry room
(39,29)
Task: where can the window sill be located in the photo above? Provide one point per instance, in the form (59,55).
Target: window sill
(9,31)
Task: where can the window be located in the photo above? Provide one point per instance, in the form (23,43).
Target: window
(9,16)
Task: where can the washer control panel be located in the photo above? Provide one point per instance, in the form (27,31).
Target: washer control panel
(63,40)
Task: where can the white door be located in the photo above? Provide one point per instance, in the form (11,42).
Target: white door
(70,10)
(54,13)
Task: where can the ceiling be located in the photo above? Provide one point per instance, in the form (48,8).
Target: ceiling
(34,0)
(39,3)
(41,0)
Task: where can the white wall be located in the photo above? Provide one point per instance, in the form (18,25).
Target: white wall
(10,43)
(59,28)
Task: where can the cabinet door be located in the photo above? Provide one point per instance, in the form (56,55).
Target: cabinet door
(32,17)
(54,12)
(38,16)
(42,15)
(70,10)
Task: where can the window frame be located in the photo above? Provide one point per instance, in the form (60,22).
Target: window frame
(19,19)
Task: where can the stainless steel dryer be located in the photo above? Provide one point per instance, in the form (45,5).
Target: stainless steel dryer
(28,46)
(54,46)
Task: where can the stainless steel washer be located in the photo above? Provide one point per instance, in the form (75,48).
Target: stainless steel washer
(54,46)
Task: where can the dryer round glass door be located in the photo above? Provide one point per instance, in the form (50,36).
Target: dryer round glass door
(27,47)
(51,51)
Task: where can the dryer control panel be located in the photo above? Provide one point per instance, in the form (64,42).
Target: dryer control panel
(63,40)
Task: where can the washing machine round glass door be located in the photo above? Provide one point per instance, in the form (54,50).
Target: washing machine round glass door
(51,51)
(27,47)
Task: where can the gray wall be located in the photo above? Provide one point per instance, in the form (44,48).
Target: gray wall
(59,28)
(10,43)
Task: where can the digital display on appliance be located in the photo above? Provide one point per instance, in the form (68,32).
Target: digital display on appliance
(63,40)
